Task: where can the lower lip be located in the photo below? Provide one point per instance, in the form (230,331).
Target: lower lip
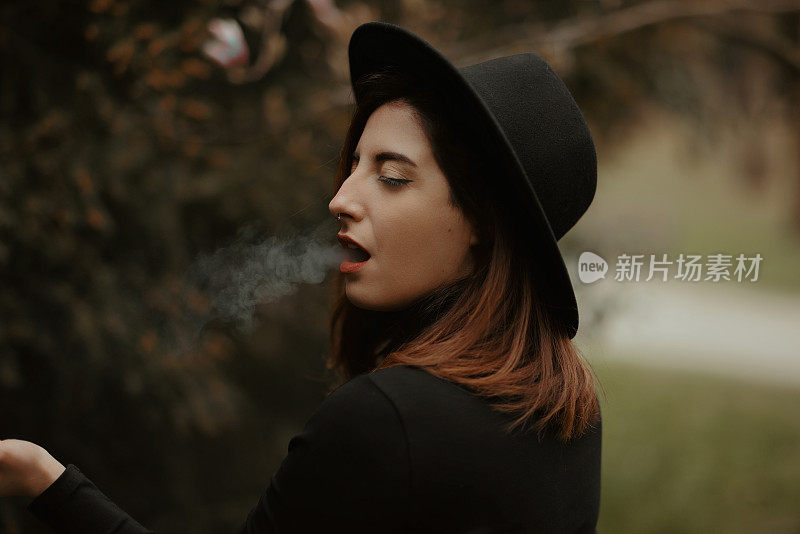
(351,266)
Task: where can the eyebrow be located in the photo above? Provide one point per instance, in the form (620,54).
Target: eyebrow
(390,156)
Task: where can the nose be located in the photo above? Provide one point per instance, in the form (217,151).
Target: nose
(344,203)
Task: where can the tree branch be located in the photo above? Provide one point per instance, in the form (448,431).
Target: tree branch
(582,29)
(779,48)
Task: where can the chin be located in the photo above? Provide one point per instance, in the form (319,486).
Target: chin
(372,304)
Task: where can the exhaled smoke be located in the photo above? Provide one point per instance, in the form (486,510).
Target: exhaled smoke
(236,278)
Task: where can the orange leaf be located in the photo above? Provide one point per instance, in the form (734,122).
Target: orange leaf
(99,6)
(122,51)
(218,158)
(175,78)
(91,32)
(148,341)
(196,109)
(167,102)
(84,181)
(197,302)
(156,79)
(145,31)
(95,219)
(192,146)
(195,67)
(157,46)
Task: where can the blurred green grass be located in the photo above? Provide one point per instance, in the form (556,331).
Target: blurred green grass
(688,452)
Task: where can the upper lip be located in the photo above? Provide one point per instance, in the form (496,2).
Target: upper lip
(346,240)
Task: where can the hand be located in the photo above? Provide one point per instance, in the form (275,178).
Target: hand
(26,469)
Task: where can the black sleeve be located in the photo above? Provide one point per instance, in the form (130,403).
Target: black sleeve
(348,470)
(73,504)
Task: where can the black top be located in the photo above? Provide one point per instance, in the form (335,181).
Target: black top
(394,450)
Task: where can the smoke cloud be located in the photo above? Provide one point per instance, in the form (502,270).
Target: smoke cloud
(254,270)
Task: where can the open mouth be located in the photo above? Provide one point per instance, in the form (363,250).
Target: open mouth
(356,254)
(355,257)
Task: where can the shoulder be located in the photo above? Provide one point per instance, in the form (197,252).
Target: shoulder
(380,400)
(428,405)
(413,389)
(408,379)
(370,412)
(351,453)
(358,398)
(357,416)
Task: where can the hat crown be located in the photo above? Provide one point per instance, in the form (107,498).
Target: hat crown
(546,130)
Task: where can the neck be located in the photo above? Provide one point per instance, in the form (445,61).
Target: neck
(405,325)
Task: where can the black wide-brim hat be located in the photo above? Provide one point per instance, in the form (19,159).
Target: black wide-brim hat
(539,138)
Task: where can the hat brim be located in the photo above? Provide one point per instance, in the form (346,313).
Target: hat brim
(375,45)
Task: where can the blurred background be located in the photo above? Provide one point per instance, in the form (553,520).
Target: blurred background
(137,136)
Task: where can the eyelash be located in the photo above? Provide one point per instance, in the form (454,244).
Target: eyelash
(394,182)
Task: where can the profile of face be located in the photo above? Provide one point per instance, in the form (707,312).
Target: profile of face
(395,204)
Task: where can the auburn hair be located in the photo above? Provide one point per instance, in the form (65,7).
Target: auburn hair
(490,332)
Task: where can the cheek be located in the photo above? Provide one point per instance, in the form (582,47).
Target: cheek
(424,246)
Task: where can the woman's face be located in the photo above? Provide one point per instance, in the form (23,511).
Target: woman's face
(399,212)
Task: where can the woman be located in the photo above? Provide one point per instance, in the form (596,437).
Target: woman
(465,407)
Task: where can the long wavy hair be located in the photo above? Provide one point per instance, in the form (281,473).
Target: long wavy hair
(490,332)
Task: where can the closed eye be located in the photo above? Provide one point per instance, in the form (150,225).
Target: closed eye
(385,156)
(394,182)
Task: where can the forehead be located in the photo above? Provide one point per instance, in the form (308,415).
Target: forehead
(394,126)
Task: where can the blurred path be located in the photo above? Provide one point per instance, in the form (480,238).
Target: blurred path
(728,328)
